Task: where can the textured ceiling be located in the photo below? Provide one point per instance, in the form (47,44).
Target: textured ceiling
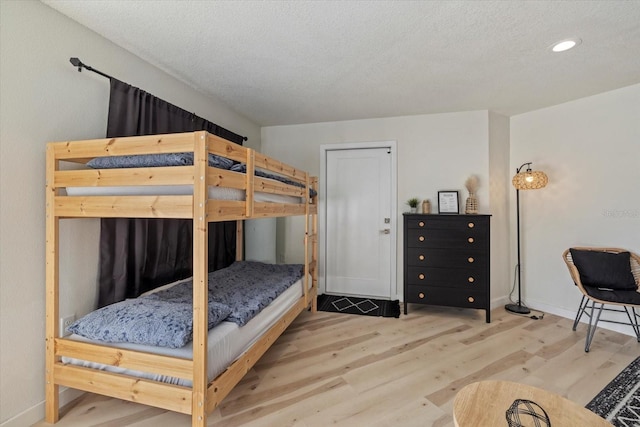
(288,62)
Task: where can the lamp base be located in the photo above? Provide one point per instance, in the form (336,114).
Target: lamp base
(517,308)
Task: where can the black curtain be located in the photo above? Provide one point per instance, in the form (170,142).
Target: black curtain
(137,255)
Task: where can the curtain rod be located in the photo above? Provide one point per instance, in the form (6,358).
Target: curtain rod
(77,63)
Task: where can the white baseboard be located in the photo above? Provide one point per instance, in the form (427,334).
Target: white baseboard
(36,412)
(499,302)
(570,314)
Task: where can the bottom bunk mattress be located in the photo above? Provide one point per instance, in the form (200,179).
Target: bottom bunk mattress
(226,342)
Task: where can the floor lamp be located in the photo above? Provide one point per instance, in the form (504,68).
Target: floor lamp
(527,180)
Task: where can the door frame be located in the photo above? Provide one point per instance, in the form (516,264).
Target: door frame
(322,208)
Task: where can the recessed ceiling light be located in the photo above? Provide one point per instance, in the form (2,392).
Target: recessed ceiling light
(565,45)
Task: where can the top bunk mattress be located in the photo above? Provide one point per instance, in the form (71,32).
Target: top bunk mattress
(213,192)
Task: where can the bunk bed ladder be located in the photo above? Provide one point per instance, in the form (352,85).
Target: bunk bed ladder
(314,247)
(310,237)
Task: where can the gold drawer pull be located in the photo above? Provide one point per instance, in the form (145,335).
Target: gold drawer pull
(470,299)
(420,295)
(471,225)
(421,238)
(421,276)
(421,223)
(471,279)
(470,259)
(470,240)
(421,257)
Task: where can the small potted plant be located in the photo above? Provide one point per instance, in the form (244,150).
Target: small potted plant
(413,204)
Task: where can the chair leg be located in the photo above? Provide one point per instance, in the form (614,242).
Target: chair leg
(592,329)
(581,308)
(633,319)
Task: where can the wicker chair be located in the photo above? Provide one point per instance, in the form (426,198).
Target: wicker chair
(627,300)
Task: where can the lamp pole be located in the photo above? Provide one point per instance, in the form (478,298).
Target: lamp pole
(518,308)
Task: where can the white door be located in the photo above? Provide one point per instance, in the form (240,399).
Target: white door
(359,227)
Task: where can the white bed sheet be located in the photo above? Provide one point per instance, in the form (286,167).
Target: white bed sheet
(218,193)
(226,342)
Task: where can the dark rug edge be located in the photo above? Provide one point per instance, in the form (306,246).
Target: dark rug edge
(617,389)
(388,308)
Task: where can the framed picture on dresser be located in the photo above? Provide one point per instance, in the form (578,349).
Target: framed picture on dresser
(448,202)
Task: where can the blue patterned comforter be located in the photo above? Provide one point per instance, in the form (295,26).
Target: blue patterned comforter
(155,160)
(165,318)
(249,286)
(246,287)
(242,168)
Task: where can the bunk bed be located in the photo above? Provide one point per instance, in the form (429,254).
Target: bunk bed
(170,192)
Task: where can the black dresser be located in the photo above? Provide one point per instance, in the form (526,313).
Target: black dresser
(446,260)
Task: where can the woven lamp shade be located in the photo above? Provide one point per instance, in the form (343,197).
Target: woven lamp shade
(530,180)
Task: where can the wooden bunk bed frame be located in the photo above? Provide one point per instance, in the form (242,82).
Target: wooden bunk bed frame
(204,396)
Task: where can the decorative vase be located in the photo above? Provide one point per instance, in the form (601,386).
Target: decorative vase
(426,207)
(471,206)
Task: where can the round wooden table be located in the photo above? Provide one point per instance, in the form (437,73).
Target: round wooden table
(485,403)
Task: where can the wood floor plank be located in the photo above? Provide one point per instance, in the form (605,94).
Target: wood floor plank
(262,410)
(370,408)
(406,415)
(352,370)
(447,393)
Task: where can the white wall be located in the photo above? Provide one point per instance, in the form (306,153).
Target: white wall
(435,152)
(43,98)
(499,189)
(590,149)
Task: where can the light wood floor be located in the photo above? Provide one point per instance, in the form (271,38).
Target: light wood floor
(333,369)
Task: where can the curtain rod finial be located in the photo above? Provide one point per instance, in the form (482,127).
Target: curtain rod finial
(76,63)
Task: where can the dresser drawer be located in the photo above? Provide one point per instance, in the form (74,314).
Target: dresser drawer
(468,278)
(426,257)
(436,296)
(450,223)
(438,238)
